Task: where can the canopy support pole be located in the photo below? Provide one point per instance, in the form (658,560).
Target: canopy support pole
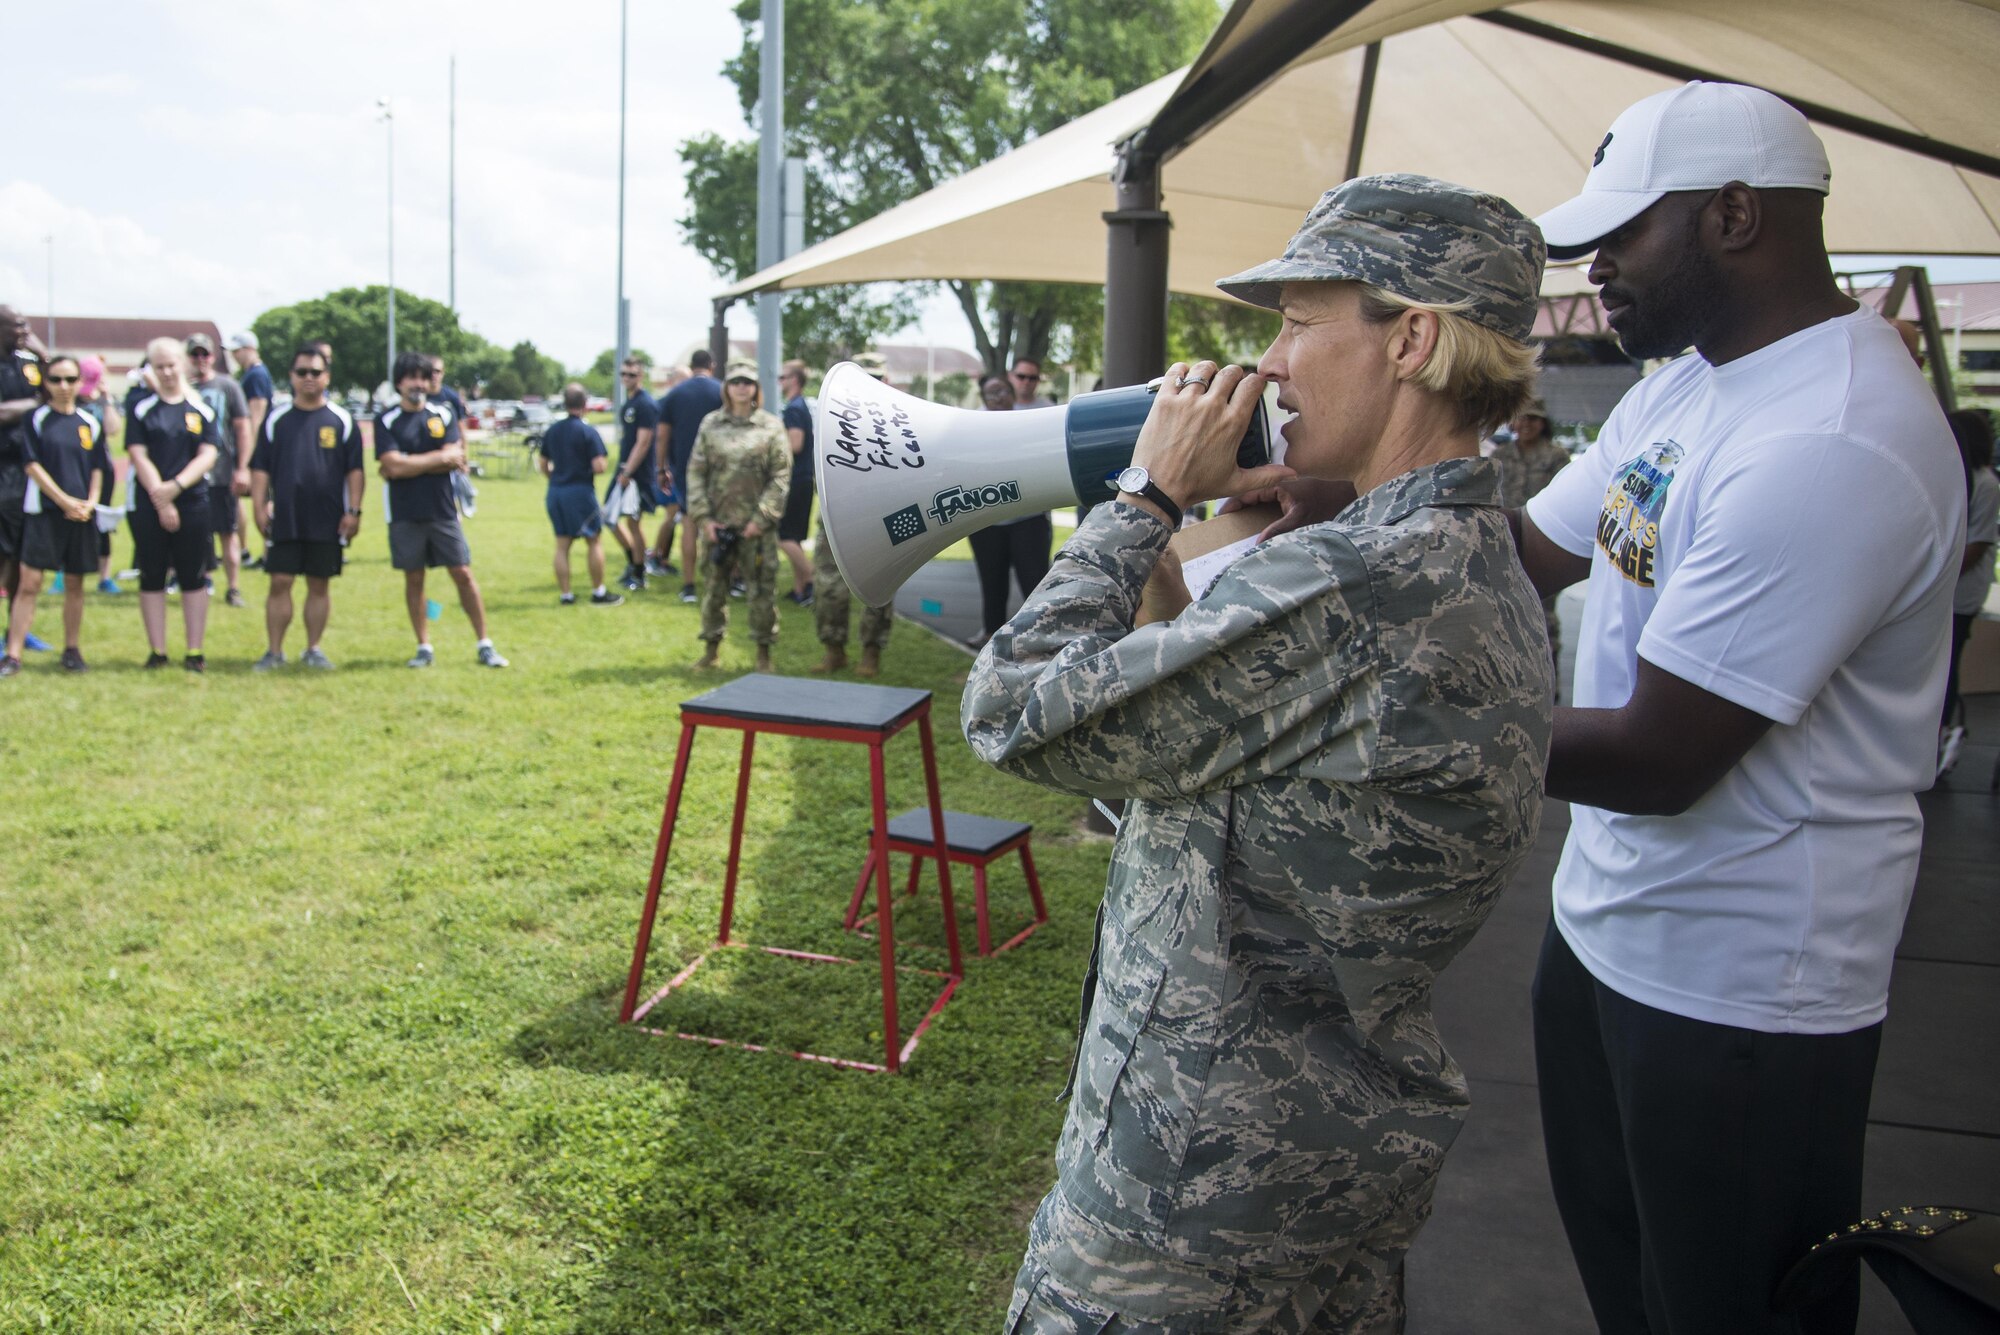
(1915,279)
(1364,102)
(718,335)
(1135,271)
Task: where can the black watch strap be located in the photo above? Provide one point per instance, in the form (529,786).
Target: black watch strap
(1151,491)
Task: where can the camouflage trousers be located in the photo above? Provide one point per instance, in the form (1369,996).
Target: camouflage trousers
(831,598)
(1555,628)
(1082,1277)
(756,564)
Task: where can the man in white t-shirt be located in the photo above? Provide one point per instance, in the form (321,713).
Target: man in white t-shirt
(1771,529)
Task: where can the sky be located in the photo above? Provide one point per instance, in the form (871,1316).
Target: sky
(215,161)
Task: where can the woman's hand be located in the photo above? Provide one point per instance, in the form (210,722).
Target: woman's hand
(170,516)
(1166,594)
(1188,444)
(160,494)
(1306,500)
(78,509)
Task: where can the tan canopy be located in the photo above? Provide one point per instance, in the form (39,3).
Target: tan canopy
(1506,108)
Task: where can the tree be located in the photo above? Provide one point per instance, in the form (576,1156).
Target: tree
(506,384)
(887,98)
(356,322)
(540,376)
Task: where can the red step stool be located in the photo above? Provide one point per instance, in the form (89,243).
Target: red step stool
(975,841)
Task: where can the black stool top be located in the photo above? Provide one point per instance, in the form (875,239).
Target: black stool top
(976,835)
(809,701)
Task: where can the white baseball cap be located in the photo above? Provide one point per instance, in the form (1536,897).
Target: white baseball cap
(1700,136)
(246,339)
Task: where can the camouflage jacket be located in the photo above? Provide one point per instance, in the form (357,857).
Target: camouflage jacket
(1335,760)
(1524,472)
(740,469)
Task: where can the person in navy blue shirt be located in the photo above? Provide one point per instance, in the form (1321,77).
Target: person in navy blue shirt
(64,452)
(305,496)
(254,378)
(444,395)
(417,449)
(572,457)
(681,414)
(638,420)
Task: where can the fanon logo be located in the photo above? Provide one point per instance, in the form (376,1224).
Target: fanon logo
(952,502)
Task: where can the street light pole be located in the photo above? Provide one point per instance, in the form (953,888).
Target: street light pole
(451,192)
(388,118)
(51,239)
(770,188)
(624,319)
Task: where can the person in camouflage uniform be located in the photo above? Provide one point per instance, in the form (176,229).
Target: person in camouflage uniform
(1332,763)
(832,595)
(1528,463)
(738,475)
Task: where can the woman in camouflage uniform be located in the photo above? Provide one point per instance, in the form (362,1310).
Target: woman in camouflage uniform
(1332,763)
(739,474)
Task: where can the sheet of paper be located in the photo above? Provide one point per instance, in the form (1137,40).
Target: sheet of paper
(1202,571)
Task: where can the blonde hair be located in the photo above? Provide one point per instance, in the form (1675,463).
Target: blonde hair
(1490,376)
(172,348)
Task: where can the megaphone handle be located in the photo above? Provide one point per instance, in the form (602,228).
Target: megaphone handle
(1107,813)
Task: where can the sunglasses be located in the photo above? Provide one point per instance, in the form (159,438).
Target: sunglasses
(308,370)
(628,375)
(739,381)
(61,379)
(201,352)
(1029,378)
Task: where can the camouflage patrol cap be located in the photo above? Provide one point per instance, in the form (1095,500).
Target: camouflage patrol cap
(1419,238)
(742,368)
(874,363)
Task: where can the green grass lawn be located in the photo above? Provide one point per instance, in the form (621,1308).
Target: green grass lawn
(308,988)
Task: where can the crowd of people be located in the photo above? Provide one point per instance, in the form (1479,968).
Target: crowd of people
(199,443)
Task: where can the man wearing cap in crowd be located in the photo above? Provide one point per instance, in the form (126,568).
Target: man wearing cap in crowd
(229,480)
(20,396)
(682,411)
(1332,763)
(1772,529)
(737,476)
(254,379)
(833,597)
(1529,462)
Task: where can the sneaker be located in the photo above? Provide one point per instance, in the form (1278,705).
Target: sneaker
(316,659)
(800,599)
(688,594)
(35,644)
(423,658)
(567,600)
(632,583)
(234,598)
(665,569)
(270,662)
(108,586)
(253,563)
(9,665)
(737,588)
(156,661)
(606,599)
(196,663)
(72,661)
(490,657)
(173,587)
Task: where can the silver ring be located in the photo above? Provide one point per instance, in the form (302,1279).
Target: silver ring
(1187,380)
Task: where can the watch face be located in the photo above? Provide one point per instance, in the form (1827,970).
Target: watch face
(1134,479)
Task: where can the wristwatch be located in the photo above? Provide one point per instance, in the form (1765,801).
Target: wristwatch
(1139,482)
(349,510)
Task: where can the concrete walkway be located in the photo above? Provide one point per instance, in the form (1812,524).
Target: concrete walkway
(1493,1260)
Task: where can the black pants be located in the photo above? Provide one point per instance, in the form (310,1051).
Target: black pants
(1961,631)
(1694,1163)
(1019,549)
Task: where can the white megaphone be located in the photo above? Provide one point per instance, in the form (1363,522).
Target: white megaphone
(901,478)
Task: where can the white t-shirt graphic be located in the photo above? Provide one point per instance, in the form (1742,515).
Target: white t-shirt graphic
(1783,531)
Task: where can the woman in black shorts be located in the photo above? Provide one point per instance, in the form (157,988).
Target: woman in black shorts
(65,463)
(172,442)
